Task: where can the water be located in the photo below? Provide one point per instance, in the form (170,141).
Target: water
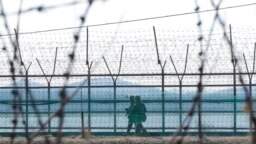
(217,122)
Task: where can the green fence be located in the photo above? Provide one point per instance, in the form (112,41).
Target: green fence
(100,106)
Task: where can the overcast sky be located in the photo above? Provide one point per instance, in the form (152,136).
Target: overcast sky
(105,11)
(122,10)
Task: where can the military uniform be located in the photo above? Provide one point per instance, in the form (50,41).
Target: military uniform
(131,117)
(139,111)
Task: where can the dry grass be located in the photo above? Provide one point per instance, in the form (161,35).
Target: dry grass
(87,133)
(133,140)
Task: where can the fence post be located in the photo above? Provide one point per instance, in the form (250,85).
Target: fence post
(234,62)
(250,94)
(162,70)
(82,112)
(235,109)
(180,103)
(249,98)
(26,80)
(180,85)
(49,86)
(26,102)
(114,82)
(163,100)
(115,107)
(89,78)
(89,96)
(49,106)
(27,93)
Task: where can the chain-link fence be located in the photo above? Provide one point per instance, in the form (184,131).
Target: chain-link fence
(160,66)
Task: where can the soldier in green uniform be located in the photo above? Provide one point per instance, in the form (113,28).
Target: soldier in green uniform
(139,111)
(130,114)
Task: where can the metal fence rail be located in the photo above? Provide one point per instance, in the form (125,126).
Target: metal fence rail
(161,66)
(95,106)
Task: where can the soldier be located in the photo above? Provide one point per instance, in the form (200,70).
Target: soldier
(130,115)
(139,111)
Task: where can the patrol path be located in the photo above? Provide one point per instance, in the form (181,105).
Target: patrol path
(133,140)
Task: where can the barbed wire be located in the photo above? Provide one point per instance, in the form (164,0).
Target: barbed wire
(41,8)
(41,47)
(138,55)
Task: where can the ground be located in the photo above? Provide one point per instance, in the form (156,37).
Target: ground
(132,140)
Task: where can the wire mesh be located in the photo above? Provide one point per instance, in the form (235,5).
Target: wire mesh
(140,74)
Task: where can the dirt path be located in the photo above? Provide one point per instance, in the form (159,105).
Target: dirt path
(132,140)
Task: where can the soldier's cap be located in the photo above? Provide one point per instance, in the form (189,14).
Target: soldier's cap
(137,98)
(132,97)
